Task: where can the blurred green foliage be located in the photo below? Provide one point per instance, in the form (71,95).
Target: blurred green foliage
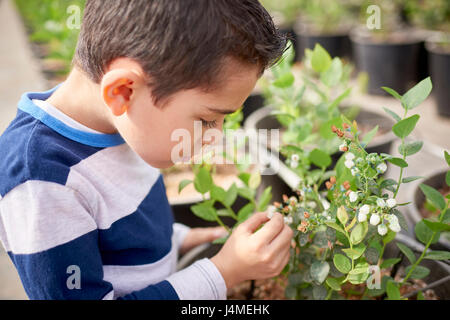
(46,21)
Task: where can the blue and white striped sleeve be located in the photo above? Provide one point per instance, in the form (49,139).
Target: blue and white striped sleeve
(48,232)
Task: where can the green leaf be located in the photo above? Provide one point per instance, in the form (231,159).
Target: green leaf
(255,180)
(393,291)
(246,193)
(223,213)
(204,211)
(389,237)
(265,199)
(245,212)
(436,226)
(372,255)
(434,196)
(333,74)
(401,219)
(319,292)
(389,263)
(387,183)
(285,81)
(342,263)
(320,158)
(404,127)
(362,267)
(420,296)
(392,114)
(447,157)
(411,179)
(339,99)
(358,233)
(218,193)
(356,252)
(220,240)
(183,184)
(334,284)
(355,277)
(231,195)
(407,252)
(203,181)
(342,215)
(392,92)
(447,178)
(335,226)
(437,255)
(399,162)
(419,272)
(321,59)
(425,234)
(417,94)
(319,271)
(410,148)
(370,135)
(244,177)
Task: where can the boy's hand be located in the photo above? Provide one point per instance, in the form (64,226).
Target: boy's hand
(255,255)
(198,236)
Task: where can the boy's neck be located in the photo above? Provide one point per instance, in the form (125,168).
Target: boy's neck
(79,98)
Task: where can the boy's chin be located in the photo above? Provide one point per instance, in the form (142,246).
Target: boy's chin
(161,164)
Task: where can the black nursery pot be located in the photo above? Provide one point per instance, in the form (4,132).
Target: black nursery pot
(337,45)
(439,65)
(254,102)
(393,65)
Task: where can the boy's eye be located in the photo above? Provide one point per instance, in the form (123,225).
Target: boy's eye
(209,124)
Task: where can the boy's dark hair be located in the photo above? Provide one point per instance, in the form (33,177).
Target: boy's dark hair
(181,44)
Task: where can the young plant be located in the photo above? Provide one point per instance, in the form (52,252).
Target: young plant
(342,231)
(217,201)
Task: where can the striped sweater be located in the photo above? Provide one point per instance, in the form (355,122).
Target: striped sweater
(84,217)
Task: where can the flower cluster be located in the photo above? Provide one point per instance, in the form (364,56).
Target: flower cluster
(295,213)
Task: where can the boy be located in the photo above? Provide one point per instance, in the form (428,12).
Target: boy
(84,213)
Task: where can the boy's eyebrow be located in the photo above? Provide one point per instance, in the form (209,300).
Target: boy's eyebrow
(218,110)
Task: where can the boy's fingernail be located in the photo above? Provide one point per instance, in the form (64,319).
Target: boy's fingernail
(220,233)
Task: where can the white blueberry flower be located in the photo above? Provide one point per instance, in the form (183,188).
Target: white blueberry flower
(288,220)
(325,204)
(362,216)
(365,209)
(349,156)
(392,219)
(312,204)
(354,171)
(382,229)
(271,211)
(325,214)
(382,167)
(349,164)
(395,227)
(381,203)
(374,219)
(353,196)
(328,218)
(391,203)
(295,158)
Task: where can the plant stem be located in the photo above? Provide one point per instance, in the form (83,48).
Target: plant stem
(404,158)
(329,294)
(413,267)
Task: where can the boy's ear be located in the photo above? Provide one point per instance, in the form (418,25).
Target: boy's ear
(117,88)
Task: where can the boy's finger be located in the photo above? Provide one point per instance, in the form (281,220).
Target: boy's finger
(283,240)
(271,229)
(252,223)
